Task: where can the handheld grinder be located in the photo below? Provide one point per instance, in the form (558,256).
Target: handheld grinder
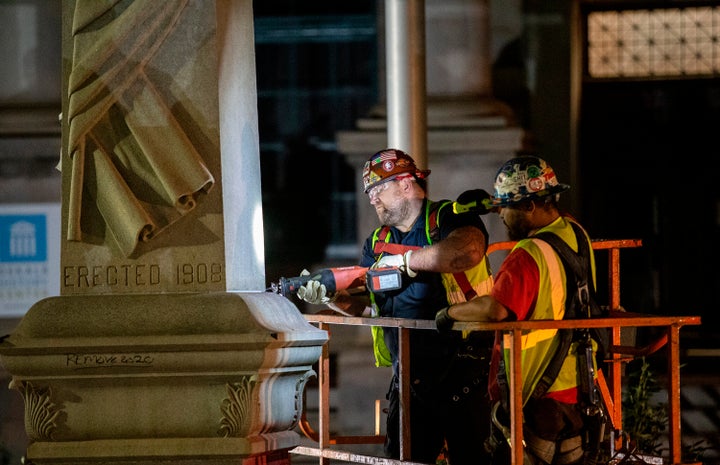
(345,277)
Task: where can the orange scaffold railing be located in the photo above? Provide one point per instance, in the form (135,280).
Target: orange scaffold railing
(611,388)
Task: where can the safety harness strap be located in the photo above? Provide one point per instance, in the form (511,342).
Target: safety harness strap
(382,245)
(393,249)
(578,304)
(465,285)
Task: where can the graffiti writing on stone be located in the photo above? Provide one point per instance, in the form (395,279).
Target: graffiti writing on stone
(81,361)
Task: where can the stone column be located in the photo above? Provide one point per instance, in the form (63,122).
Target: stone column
(470,133)
(163,346)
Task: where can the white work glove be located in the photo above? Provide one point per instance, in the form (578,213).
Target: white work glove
(313,292)
(397,261)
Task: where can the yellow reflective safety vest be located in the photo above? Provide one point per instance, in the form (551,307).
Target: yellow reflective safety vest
(550,305)
(459,287)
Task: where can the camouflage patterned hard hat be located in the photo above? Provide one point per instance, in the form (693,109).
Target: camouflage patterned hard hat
(525,178)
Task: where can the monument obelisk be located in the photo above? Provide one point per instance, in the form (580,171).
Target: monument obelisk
(163,346)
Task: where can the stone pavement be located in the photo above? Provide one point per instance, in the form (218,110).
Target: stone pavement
(700,414)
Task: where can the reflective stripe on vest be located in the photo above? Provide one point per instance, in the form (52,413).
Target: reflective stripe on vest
(383,358)
(550,304)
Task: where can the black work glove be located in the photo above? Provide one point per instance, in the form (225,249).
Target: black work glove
(443,321)
(475,200)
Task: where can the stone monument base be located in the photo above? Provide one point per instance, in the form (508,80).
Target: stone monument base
(179,378)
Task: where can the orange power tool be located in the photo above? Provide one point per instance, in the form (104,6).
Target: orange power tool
(345,277)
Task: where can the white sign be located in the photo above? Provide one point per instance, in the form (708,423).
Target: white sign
(29,255)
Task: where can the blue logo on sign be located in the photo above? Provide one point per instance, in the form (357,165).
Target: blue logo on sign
(23,238)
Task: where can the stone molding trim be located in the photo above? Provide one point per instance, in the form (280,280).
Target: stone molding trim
(236,408)
(300,396)
(41,414)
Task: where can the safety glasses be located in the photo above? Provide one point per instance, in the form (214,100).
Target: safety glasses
(377,190)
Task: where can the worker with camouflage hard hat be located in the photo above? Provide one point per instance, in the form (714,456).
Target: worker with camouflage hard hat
(533,283)
(524,178)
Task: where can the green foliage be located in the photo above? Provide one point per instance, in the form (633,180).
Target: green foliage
(643,420)
(694,452)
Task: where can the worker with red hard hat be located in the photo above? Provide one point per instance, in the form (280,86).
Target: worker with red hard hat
(442,255)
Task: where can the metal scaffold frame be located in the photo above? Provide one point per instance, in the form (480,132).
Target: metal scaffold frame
(611,389)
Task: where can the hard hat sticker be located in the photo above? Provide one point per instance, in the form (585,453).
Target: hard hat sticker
(525,178)
(535,184)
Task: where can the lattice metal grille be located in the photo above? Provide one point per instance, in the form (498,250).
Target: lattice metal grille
(654,43)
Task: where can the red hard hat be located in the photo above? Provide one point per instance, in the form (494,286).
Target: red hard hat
(386,165)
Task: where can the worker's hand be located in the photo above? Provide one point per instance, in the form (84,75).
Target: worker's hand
(397,261)
(475,200)
(394,261)
(443,321)
(313,292)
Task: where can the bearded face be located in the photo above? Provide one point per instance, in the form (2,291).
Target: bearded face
(517,222)
(394,212)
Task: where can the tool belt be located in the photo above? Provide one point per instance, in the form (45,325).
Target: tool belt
(536,450)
